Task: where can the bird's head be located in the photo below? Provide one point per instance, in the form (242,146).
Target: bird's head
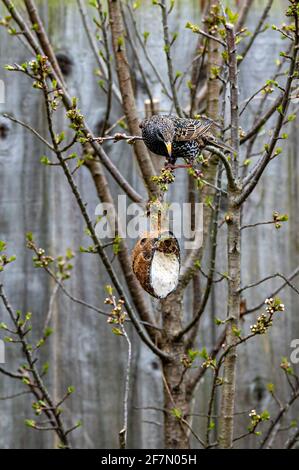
(159,130)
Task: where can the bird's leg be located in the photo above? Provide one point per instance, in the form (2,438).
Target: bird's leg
(171,166)
(186,165)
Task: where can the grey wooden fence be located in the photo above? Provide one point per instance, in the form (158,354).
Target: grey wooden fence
(36,198)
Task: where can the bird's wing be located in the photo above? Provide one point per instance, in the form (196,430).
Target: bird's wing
(190,129)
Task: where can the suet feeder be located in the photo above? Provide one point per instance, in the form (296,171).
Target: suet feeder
(156,260)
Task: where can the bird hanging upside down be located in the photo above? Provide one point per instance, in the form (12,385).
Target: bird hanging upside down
(174,137)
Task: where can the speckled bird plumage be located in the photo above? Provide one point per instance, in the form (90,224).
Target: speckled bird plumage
(186,137)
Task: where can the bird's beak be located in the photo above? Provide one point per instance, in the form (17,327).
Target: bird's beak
(169,148)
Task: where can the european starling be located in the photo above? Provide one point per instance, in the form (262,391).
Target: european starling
(174,137)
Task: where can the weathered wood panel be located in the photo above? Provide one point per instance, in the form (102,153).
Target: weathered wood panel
(36,198)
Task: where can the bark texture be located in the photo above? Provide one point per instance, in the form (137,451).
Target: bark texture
(176,434)
(233,219)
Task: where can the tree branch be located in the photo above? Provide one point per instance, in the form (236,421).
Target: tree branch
(274,293)
(234,257)
(258,29)
(126,89)
(104,68)
(98,246)
(43,38)
(67,101)
(261,165)
(145,52)
(287,282)
(51,412)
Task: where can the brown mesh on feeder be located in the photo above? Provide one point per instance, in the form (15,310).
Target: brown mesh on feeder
(156,263)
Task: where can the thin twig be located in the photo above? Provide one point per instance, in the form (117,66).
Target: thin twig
(263,162)
(101,63)
(272,276)
(258,29)
(10,374)
(67,101)
(208,36)
(16,395)
(138,61)
(52,412)
(167,49)
(109,80)
(275,292)
(210,277)
(31,129)
(146,54)
(99,248)
(124,432)
(257,224)
(273,428)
